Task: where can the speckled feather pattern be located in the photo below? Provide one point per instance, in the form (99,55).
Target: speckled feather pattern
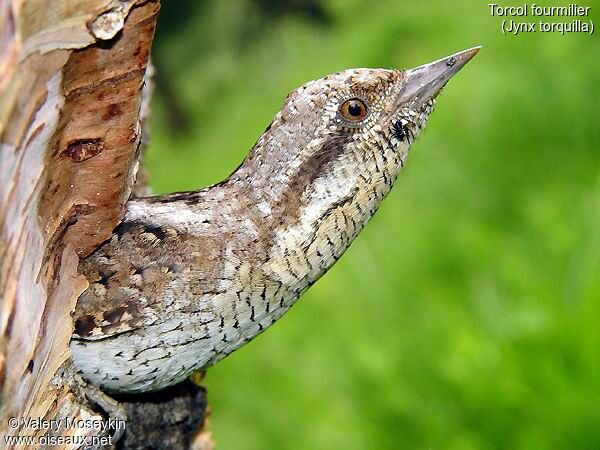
(188,278)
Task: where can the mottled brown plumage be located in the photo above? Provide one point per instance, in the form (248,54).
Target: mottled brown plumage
(187,278)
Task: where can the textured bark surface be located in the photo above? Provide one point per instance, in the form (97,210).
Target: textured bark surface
(71,79)
(166,420)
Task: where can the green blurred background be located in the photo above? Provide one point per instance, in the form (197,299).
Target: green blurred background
(467,313)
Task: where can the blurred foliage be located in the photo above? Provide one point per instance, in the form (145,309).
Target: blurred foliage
(466,315)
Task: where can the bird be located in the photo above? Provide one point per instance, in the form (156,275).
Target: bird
(187,278)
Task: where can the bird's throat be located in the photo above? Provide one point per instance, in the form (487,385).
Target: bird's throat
(312,212)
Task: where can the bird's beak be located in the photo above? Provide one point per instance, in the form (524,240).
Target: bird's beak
(425,82)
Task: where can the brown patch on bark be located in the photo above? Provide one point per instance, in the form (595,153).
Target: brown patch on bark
(82,149)
(98,132)
(113,110)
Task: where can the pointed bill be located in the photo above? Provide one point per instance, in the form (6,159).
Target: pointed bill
(425,82)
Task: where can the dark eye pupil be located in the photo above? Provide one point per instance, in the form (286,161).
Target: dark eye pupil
(354,109)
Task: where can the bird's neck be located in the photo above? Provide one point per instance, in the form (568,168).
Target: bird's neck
(307,211)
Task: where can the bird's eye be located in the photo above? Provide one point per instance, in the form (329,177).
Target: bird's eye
(354,110)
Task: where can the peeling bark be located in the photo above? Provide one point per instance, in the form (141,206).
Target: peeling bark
(71,79)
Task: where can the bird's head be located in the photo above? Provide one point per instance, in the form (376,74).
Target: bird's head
(343,138)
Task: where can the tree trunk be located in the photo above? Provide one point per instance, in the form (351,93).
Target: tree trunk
(71,80)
